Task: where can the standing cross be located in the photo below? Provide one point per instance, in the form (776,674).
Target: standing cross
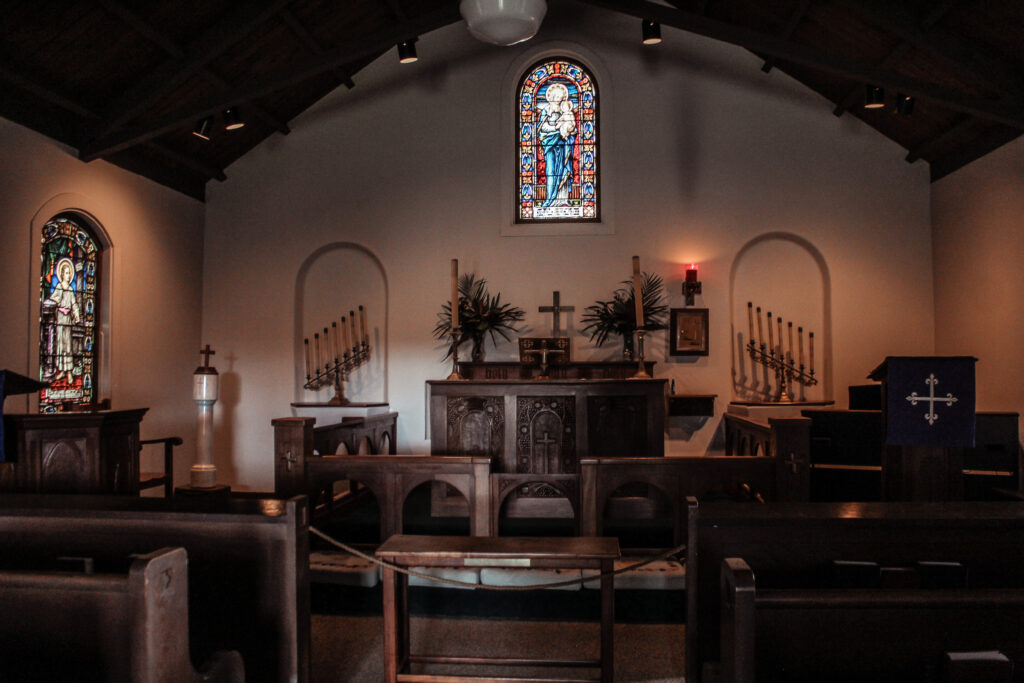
(555,308)
(207,352)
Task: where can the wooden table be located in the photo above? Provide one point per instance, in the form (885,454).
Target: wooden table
(580,552)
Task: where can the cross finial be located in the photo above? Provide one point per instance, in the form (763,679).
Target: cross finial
(555,309)
(207,352)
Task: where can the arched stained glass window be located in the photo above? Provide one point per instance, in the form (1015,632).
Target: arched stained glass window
(557,143)
(68,301)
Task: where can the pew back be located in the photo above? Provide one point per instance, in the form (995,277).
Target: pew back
(247,573)
(788,544)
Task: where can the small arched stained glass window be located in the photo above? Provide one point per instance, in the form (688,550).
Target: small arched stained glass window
(68,300)
(557,147)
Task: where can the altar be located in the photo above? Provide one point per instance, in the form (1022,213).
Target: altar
(544,427)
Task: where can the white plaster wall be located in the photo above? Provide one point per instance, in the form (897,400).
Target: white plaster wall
(702,153)
(978,217)
(156,278)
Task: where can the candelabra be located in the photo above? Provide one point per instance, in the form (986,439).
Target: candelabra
(332,364)
(787,371)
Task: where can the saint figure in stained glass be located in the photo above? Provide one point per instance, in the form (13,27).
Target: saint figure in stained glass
(67,314)
(557,150)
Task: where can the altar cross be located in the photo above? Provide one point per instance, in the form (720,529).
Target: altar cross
(207,352)
(555,308)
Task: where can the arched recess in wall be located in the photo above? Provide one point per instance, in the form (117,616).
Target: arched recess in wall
(785,275)
(333,282)
(84,212)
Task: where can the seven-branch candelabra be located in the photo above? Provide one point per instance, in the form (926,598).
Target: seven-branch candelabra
(329,363)
(787,369)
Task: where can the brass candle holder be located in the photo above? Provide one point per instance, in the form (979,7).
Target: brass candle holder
(641,370)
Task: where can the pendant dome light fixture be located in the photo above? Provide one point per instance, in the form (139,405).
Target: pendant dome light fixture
(503,22)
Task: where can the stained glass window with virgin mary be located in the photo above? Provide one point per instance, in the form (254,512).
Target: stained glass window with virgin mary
(557,143)
(67,314)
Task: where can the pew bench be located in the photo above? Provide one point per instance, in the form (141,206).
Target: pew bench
(112,626)
(858,634)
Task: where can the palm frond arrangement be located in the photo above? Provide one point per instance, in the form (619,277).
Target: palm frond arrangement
(480,315)
(618,314)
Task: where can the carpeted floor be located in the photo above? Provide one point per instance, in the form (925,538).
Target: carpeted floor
(348,647)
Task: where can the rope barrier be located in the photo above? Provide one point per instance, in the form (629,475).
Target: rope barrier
(465,584)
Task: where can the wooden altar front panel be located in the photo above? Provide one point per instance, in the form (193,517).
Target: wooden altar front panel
(545,426)
(73,452)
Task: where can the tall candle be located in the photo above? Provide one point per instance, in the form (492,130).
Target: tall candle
(800,343)
(316,351)
(344,333)
(637,298)
(760,330)
(362,323)
(782,355)
(771,342)
(305,343)
(326,360)
(750,320)
(337,342)
(355,331)
(455,294)
(791,341)
(810,350)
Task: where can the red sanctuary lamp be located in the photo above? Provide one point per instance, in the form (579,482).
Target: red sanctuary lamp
(691,285)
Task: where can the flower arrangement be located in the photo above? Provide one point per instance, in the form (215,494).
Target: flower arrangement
(618,314)
(480,315)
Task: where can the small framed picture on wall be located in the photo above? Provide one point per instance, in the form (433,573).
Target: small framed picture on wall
(689,332)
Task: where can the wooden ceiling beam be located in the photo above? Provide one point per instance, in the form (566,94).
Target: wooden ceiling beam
(174,50)
(1009,113)
(794,20)
(213,42)
(279,79)
(313,45)
(924,35)
(856,94)
(926,148)
(79,109)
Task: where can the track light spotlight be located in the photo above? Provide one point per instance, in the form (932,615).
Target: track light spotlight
(904,104)
(874,97)
(407,52)
(651,31)
(202,129)
(233,119)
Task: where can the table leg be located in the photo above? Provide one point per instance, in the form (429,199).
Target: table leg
(404,631)
(607,621)
(391,621)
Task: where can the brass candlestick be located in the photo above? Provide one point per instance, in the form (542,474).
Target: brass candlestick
(455,359)
(641,371)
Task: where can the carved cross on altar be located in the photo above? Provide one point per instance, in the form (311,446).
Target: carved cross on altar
(207,352)
(555,308)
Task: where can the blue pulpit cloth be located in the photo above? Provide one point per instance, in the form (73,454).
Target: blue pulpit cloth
(13,383)
(930,401)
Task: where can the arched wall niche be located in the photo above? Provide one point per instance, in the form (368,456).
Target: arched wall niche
(786,275)
(88,213)
(332,282)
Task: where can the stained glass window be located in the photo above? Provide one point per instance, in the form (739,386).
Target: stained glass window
(557,143)
(68,299)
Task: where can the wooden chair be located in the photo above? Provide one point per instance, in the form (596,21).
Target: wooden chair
(149,480)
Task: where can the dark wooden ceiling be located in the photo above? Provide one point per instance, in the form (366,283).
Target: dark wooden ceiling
(127,81)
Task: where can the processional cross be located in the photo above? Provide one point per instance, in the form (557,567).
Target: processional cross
(207,352)
(555,309)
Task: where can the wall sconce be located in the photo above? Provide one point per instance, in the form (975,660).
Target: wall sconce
(691,286)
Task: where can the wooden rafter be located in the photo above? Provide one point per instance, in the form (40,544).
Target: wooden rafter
(142,27)
(213,42)
(787,33)
(1010,113)
(285,76)
(313,45)
(68,104)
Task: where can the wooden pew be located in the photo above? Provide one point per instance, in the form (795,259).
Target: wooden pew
(248,572)
(114,626)
(767,477)
(858,634)
(788,544)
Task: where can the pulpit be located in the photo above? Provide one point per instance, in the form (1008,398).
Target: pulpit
(95,452)
(544,427)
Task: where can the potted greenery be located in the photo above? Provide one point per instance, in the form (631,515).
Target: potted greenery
(618,314)
(480,314)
